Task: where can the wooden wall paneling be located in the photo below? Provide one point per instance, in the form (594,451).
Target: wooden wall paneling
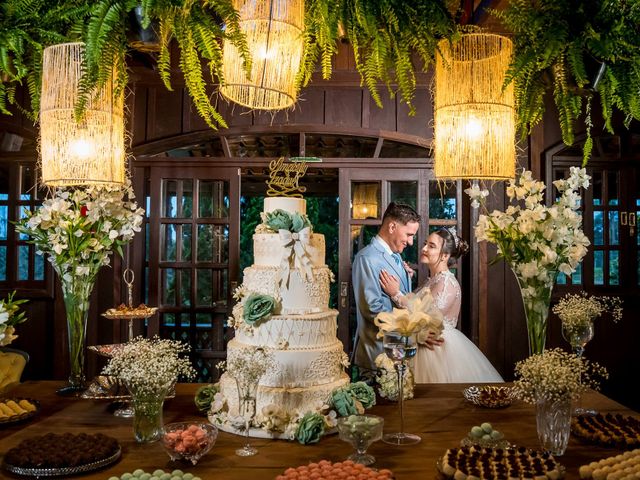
(277,117)
(164,114)
(235,115)
(138,117)
(380,118)
(37,336)
(310,107)
(343,107)
(191,119)
(344,59)
(421,124)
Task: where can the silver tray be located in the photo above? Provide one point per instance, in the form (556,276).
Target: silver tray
(58,472)
(489,396)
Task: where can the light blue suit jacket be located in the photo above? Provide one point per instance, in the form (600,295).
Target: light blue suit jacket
(371,300)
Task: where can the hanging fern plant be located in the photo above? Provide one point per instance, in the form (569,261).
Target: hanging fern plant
(384,34)
(195,25)
(575,49)
(26,28)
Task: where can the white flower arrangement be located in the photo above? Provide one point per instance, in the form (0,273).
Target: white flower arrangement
(531,237)
(536,240)
(249,364)
(387,378)
(9,318)
(555,375)
(578,310)
(79,228)
(148,366)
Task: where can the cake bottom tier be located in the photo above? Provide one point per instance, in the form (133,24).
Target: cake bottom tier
(294,401)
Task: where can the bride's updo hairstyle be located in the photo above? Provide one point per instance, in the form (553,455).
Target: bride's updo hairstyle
(452,244)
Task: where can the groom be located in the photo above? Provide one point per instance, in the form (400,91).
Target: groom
(399,226)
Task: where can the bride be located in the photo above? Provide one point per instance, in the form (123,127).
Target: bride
(455,359)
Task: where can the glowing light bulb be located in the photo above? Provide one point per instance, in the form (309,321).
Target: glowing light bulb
(473,128)
(263,53)
(81,147)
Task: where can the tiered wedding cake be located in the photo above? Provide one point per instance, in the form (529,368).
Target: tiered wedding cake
(307,360)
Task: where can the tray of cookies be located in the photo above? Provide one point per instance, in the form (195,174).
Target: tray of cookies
(13,410)
(625,465)
(608,430)
(489,463)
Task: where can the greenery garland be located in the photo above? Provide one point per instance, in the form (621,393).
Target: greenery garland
(556,41)
(384,34)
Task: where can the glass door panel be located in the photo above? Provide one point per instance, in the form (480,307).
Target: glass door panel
(193,256)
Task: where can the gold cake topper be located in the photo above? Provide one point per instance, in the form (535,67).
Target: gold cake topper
(284,177)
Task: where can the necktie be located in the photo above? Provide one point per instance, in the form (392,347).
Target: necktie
(397,258)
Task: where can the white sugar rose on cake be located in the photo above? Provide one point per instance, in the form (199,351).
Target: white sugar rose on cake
(283,316)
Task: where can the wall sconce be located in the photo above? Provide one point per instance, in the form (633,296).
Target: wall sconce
(474,115)
(274,34)
(78,153)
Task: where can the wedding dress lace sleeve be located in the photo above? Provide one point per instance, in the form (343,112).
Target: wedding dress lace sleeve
(445,290)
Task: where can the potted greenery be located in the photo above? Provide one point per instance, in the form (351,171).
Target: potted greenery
(197,28)
(384,35)
(557,43)
(26,28)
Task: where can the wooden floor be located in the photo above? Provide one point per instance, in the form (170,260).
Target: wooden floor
(439,414)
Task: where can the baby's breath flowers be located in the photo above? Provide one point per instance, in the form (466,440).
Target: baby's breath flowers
(150,365)
(554,375)
(247,365)
(576,310)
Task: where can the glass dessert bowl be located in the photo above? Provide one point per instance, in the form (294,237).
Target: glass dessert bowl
(361,431)
(188,440)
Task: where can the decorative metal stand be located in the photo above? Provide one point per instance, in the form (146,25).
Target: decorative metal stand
(130,314)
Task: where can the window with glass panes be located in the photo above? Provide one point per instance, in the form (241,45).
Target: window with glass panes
(21,267)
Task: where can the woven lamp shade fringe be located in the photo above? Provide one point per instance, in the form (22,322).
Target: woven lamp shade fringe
(274,31)
(86,153)
(474,116)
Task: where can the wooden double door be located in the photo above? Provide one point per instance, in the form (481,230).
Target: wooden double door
(191,262)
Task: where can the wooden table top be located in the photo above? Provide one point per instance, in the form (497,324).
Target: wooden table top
(439,414)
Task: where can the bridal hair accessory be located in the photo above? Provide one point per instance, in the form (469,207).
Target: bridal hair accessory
(453,233)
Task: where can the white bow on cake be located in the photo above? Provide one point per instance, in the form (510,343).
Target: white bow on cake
(294,244)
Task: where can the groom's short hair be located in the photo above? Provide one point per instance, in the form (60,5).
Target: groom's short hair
(401,213)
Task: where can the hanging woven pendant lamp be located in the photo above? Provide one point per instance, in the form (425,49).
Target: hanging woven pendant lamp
(72,153)
(474,116)
(273,30)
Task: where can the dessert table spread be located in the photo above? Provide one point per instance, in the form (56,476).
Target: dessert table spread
(438,413)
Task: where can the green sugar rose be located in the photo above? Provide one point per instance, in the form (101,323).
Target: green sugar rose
(344,402)
(363,393)
(278,220)
(204,396)
(310,428)
(258,308)
(299,222)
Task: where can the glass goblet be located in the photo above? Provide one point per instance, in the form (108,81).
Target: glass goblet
(361,431)
(247,396)
(400,348)
(578,335)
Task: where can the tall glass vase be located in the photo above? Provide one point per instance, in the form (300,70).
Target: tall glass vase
(76,291)
(147,403)
(553,422)
(536,297)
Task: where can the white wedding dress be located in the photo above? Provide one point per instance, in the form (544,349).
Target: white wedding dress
(458,360)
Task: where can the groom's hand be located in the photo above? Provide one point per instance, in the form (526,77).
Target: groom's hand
(431,342)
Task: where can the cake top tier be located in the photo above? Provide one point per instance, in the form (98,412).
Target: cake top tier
(289,204)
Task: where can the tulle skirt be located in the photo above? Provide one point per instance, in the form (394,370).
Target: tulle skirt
(458,360)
